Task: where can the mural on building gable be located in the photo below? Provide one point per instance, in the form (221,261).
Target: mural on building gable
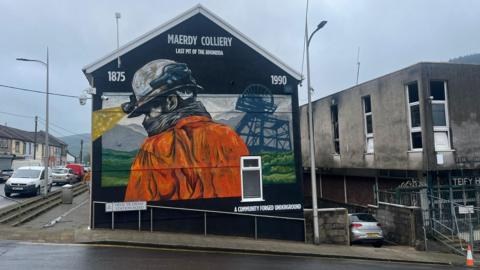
(183,144)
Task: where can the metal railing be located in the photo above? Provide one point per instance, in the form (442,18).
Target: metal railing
(407,198)
(204,211)
(441,215)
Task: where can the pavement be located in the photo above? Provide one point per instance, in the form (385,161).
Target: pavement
(63,216)
(69,224)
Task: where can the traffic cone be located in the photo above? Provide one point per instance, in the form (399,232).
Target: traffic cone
(469,256)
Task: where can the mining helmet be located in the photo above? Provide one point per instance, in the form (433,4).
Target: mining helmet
(158,78)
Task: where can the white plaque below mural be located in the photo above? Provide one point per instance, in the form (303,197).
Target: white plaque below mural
(125,206)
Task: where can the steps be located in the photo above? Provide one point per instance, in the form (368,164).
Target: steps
(20,213)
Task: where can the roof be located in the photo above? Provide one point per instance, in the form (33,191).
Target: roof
(31,168)
(29,136)
(14,133)
(198,9)
(419,64)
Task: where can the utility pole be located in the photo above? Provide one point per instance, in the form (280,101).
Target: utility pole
(35,139)
(81,151)
(47,93)
(313,178)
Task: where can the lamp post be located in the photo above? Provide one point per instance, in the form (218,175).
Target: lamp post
(316,238)
(47,146)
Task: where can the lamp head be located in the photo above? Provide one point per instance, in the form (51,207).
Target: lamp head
(321,24)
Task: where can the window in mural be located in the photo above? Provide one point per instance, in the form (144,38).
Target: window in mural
(251,178)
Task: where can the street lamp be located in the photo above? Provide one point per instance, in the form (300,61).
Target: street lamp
(316,238)
(47,146)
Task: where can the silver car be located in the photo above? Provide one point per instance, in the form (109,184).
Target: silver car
(63,176)
(364,228)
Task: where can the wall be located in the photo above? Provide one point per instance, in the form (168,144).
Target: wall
(390,122)
(463,86)
(333,226)
(333,188)
(190,157)
(390,125)
(349,191)
(401,224)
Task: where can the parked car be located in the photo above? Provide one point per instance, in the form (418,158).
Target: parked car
(5,174)
(28,180)
(77,170)
(364,228)
(63,176)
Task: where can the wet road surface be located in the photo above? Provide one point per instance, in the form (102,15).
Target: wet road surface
(16,255)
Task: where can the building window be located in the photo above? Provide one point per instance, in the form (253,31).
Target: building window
(368,119)
(438,97)
(336,134)
(3,143)
(251,176)
(414,121)
(17,147)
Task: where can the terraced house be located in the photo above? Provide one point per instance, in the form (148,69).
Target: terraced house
(20,144)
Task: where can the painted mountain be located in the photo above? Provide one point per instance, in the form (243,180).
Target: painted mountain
(124,138)
(120,145)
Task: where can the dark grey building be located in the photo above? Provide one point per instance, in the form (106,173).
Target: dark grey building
(416,127)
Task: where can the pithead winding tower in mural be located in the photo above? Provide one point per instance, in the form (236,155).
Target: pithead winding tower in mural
(263,132)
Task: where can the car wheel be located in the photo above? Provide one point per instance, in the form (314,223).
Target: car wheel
(7,194)
(38,191)
(378,244)
(49,187)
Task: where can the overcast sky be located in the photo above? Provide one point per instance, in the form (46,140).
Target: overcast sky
(391,35)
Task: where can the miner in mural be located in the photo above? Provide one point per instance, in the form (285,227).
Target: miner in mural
(186,154)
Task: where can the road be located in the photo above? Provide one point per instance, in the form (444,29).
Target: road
(17,197)
(15,255)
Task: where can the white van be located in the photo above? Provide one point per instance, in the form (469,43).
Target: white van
(17,163)
(27,180)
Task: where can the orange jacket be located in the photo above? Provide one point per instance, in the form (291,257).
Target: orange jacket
(196,159)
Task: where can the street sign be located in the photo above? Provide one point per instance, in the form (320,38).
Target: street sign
(467,209)
(125,206)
